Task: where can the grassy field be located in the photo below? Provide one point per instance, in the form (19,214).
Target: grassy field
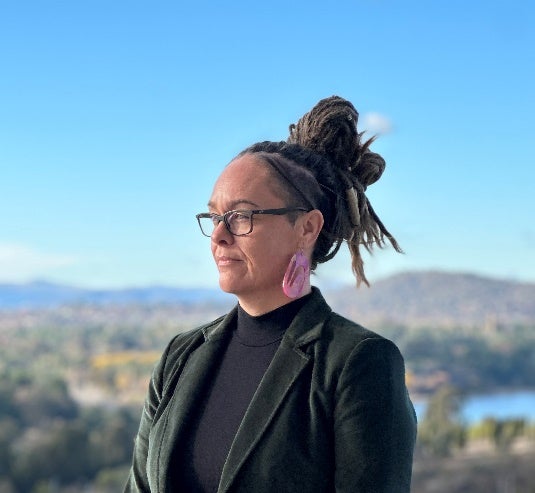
(479,468)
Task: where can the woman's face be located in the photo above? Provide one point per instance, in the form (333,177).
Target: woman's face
(252,267)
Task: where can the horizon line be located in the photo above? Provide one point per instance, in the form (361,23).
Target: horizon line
(326,282)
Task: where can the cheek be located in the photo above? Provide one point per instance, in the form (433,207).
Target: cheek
(268,253)
(273,258)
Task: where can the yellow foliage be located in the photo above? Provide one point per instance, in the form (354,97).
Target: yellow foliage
(122,381)
(121,358)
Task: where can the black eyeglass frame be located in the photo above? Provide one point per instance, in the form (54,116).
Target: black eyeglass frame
(249,213)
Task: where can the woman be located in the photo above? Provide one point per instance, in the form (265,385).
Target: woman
(281,394)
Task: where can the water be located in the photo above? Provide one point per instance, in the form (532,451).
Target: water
(502,405)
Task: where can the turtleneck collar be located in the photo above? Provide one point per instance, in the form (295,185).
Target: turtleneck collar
(269,327)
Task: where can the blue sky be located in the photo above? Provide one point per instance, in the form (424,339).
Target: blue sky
(117,117)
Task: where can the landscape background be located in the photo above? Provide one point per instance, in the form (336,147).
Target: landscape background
(75,364)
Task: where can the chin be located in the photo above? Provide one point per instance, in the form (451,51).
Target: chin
(228,286)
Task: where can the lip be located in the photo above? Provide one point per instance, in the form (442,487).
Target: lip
(224,260)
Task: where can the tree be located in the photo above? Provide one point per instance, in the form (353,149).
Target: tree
(503,432)
(442,429)
(59,454)
(41,401)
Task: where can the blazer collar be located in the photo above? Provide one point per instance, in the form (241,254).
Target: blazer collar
(305,327)
(308,324)
(287,364)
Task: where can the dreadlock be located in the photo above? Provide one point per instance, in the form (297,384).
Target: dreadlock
(325,165)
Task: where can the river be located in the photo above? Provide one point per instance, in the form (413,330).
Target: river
(499,405)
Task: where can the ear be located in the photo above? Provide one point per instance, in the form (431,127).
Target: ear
(310,225)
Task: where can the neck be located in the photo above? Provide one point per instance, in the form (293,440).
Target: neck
(258,304)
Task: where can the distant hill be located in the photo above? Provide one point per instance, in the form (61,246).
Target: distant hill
(438,299)
(413,298)
(48,295)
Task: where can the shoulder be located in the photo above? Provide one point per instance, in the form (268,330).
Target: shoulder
(346,341)
(317,324)
(336,342)
(346,331)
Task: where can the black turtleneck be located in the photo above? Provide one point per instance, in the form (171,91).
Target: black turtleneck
(247,357)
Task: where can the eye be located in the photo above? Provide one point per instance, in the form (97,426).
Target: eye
(237,217)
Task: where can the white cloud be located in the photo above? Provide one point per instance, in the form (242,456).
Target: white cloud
(375,123)
(20,263)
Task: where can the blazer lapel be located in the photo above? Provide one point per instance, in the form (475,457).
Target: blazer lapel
(278,379)
(287,364)
(184,401)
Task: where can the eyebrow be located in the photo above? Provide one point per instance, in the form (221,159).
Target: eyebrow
(234,203)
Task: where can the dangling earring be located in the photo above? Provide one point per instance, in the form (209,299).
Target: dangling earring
(296,275)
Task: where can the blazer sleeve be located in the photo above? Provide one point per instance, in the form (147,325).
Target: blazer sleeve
(374,421)
(138,479)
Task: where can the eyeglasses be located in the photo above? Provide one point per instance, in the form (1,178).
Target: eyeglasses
(240,222)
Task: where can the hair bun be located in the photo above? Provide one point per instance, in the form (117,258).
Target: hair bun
(330,128)
(369,168)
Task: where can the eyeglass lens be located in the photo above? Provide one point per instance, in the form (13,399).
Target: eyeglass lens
(237,223)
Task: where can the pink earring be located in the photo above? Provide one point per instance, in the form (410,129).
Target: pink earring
(296,275)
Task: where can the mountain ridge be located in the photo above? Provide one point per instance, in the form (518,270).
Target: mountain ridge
(440,298)
(41,294)
(435,298)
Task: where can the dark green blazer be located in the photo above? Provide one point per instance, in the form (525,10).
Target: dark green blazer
(331,414)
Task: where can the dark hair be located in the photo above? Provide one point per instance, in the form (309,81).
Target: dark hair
(324,165)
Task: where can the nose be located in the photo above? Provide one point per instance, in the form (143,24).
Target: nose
(221,234)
